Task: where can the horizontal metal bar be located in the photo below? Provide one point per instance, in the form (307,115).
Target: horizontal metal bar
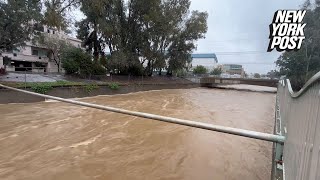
(200,125)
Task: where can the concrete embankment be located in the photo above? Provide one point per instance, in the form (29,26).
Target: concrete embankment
(10,96)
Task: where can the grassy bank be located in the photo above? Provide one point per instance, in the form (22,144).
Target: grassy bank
(52,84)
(44,87)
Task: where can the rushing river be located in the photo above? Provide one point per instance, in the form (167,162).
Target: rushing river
(53,140)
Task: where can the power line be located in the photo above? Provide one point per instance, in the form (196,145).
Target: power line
(240,53)
(248,63)
(230,40)
(244,63)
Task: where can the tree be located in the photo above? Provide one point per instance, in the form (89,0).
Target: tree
(256,75)
(17,22)
(91,28)
(150,30)
(301,65)
(55,14)
(183,42)
(74,60)
(54,44)
(77,61)
(200,70)
(273,74)
(216,71)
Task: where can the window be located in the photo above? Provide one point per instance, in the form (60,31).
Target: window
(52,32)
(48,30)
(35,52)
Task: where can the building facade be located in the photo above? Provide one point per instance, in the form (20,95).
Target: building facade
(235,70)
(208,60)
(34,58)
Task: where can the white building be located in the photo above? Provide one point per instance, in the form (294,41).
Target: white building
(209,61)
(34,58)
(234,70)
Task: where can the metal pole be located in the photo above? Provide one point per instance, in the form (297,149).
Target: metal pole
(200,125)
(25,78)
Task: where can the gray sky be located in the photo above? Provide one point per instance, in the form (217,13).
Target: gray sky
(237,26)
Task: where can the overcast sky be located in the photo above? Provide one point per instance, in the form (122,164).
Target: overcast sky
(241,26)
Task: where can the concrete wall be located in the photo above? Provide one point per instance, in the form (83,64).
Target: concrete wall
(26,50)
(25,53)
(212,81)
(52,67)
(10,96)
(74,42)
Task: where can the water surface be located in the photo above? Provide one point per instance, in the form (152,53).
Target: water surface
(53,140)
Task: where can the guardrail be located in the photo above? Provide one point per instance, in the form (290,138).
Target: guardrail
(298,119)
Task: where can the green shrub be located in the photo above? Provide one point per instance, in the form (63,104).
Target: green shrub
(41,88)
(90,87)
(98,70)
(216,71)
(181,73)
(200,70)
(257,75)
(75,60)
(103,61)
(114,86)
(70,66)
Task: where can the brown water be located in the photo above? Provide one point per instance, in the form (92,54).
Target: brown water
(53,140)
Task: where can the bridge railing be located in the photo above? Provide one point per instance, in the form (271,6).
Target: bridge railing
(298,119)
(212,81)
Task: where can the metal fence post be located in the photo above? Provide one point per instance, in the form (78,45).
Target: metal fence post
(25,78)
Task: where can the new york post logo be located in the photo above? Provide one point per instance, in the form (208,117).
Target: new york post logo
(287,30)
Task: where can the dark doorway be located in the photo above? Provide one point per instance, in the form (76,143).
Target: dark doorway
(22,65)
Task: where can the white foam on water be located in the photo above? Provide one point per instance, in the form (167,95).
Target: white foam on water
(86,143)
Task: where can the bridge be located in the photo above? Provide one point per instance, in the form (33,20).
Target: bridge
(296,137)
(214,81)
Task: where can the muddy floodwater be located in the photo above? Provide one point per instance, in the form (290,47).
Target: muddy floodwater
(53,140)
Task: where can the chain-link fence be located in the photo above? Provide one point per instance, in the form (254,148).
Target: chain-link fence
(33,74)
